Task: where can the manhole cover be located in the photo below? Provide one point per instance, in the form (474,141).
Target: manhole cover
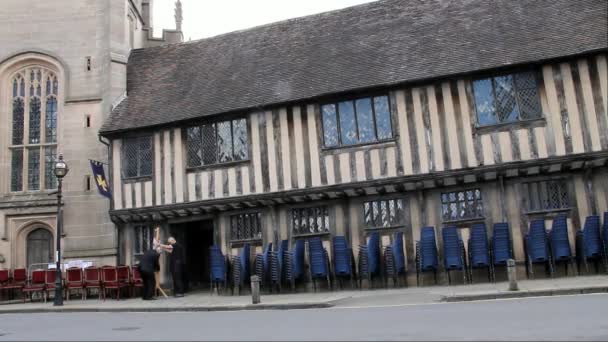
(125,328)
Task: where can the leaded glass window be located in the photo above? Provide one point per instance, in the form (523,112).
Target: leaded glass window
(137,157)
(388,213)
(33,169)
(360,121)
(17,169)
(143,239)
(50,156)
(547,195)
(311,220)
(217,143)
(462,205)
(35,102)
(246,226)
(506,98)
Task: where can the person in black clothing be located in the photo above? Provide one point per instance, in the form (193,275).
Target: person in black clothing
(147,266)
(177,262)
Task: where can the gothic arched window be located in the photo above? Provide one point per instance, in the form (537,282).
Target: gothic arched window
(34,129)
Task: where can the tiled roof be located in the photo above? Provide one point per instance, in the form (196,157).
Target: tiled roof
(377,44)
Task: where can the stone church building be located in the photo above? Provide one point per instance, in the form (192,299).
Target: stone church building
(63,66)
(383,117)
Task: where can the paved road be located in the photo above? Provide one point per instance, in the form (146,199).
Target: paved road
(552,318)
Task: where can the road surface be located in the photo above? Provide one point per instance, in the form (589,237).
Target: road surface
(580,317)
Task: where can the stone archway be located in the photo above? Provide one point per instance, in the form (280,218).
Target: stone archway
(39,247)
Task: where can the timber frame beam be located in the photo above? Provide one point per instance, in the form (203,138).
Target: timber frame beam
(566,163)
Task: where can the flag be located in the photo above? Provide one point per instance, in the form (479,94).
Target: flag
(100,179)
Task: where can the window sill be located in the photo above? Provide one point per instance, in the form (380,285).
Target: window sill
(548,211)
(382,228)
(136,179)
(303,236)
(249,241)
(464,221)
(357,147)
(217,166)
(508,126)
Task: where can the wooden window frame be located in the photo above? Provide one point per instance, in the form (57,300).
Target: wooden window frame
(504,126)
(468,219)
(353,100)
(122,152)
(217,163)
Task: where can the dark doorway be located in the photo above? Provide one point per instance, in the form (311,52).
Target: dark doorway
(39,247)
(196,237)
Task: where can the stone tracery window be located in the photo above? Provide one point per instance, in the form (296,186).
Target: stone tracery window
(33,146)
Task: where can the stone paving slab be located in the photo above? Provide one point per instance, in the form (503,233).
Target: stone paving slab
(203,301)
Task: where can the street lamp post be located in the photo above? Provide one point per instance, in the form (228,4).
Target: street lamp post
(61,169)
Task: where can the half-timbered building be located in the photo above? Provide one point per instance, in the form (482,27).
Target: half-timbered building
(388,116)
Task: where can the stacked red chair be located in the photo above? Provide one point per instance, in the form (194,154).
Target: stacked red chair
(35,285)
(109,281)
(74,282)
(92,280)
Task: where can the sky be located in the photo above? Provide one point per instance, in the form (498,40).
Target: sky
(207,18)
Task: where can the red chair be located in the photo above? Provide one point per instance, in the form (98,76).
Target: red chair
(17,281)
(109,280)
(36,284)
(124,276)
(136,280)
(4,279)
(74,281)
(49,281)
(92,280)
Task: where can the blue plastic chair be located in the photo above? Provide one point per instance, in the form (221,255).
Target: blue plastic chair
(342,253)
(589,243)
(394,259)
(217,269)
(319,261)
(500,247)
(560,244)
(262,265)
(453,252)
(276,265)
(426,253)
(294,264)
(479,251)
(241,268)
(369,259)
(605,240)
(537,247)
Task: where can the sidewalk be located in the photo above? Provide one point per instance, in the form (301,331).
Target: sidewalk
(202,301)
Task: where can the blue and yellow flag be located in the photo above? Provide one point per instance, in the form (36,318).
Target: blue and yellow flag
(100,179)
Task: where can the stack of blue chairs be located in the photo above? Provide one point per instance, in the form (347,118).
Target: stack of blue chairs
(319,263)
(605,240)
(294,264)
(262,265)
(342,254)
(218,268)
(426,253)
(395,258)
(369,259)
(276,265)
(240,267)
(501,244)
(453,252)
(479,252)
(560,244)
(589,243)
(537,247)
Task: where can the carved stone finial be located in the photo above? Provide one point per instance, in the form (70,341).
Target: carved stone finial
(178,15)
